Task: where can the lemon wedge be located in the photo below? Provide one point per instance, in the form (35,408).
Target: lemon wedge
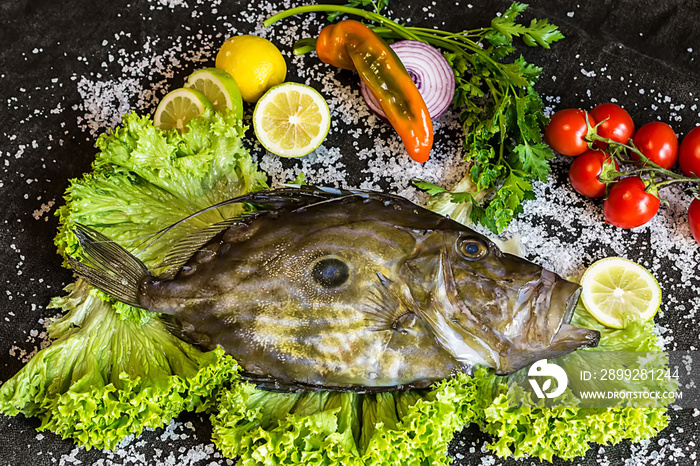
(219,88)
(179,107)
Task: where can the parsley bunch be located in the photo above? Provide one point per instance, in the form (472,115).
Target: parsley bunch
(502,114)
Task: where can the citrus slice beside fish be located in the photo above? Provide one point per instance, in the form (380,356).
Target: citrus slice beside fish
(617,291)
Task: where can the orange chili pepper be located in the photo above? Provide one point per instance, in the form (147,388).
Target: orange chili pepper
(353,46)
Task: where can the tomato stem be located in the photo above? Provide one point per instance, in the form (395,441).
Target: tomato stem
(647,167)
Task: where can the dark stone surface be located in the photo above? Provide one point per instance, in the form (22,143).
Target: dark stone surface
(648,47)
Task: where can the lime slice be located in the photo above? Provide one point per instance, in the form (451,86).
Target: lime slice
(219,87)
(291,120)
(178,107)
(617,291)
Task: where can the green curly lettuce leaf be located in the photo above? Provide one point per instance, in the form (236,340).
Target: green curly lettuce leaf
(112,369)
(104,378)
(403,427)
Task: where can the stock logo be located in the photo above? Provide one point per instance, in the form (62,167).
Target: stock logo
(544,369)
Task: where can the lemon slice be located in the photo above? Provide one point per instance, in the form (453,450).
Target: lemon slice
(219,88)
(617,291)
(178,107)
(291,120)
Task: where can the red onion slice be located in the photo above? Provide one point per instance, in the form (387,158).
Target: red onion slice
(430,71)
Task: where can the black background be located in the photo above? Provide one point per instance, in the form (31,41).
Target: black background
(647,45)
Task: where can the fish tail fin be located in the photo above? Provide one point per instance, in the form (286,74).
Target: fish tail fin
(112,268)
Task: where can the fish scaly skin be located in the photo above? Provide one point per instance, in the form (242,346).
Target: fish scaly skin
(364,291)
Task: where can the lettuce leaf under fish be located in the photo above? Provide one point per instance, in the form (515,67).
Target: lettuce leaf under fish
(413,427)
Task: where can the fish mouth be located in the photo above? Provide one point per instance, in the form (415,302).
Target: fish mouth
(545,331)
(564,337)
(568,293)
(549,299)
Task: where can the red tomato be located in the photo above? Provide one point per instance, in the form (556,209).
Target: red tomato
(694,219)
(628,205)
(658,143)
(584,172)
(689,153)
(566,130)
(618,126)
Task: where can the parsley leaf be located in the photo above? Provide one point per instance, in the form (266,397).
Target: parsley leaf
(534,159)
(542,33)
(430,188)
(506,26)
(539,32)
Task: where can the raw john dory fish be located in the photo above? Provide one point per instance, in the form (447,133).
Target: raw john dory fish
(328,289)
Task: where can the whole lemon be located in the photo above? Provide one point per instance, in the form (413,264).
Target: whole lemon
(255,64)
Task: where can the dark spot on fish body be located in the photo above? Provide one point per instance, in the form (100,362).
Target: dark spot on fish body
(206,254)
(187,270)
(223,250)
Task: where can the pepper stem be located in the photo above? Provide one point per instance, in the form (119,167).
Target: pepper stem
(303,46)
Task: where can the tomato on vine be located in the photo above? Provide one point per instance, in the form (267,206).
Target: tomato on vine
(629,205)
(584,173)
(616,123)
(694,218)
(566,130)
(689,153)
(658,142)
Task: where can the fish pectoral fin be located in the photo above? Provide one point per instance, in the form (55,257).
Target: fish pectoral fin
(465,346)
(384,306)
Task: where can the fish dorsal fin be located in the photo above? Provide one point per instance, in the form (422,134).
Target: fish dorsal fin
(183,251)
(295,196)
(290,197)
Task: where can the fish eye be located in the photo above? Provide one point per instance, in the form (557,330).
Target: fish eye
(330,272)
(472,248)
